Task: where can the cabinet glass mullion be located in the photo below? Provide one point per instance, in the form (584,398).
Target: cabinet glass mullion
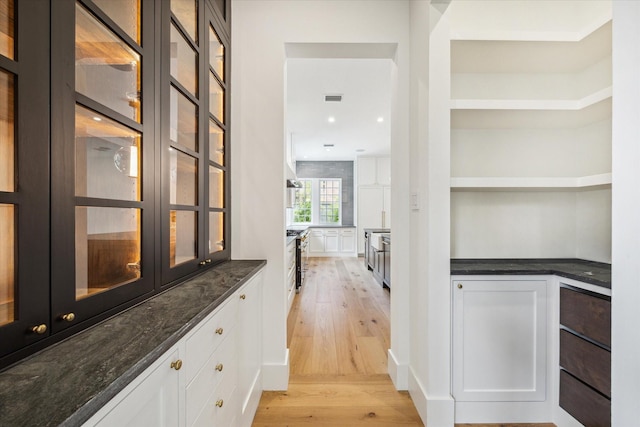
(122,16)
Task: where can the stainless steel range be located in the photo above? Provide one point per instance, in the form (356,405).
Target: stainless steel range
(302,253)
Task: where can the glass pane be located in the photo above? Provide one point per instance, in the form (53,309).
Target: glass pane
(125,13)
(7,34)
(216,143)
(183,186)
(7,136)
(216,231)
(216,187)
(107,248)
(221,4)
(107,70)
(216,98)
(216,53)
(184,62)
(183,241)
(7,264)
(107,158)
(183,120)
(187,13)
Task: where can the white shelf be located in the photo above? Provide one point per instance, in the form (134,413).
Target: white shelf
(533,104)
(530,119)
(530,183)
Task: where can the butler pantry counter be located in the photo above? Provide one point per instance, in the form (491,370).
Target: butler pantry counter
(83,376)
(595,273)
(531,341)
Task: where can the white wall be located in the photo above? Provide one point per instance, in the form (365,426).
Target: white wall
(430,301)
(259,33)
(625,381)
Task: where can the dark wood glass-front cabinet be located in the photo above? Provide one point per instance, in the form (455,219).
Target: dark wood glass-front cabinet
(114,167)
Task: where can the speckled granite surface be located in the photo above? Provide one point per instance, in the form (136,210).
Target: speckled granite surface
(68,382)
(596,273)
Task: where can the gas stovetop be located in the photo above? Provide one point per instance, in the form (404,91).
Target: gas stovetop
(293,232)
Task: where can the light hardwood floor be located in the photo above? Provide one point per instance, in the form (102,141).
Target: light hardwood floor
(338,336)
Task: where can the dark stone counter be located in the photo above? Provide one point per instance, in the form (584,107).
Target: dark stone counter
(595,273)
(69,381)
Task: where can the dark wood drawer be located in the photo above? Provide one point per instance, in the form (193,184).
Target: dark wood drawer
(587,315)
(586,361)
(583,403)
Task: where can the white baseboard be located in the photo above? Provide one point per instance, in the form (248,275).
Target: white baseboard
(275,377)
(503,412)
(399,373)
(436,411)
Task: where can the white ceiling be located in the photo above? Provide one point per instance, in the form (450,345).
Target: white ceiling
(365,86)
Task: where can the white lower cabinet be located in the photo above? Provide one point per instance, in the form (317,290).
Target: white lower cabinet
(332,242)
(152,399)
(211,377)
(290,282)
(500,330)
(316,241)
(249,350)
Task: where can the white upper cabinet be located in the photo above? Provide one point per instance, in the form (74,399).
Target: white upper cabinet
(374,170)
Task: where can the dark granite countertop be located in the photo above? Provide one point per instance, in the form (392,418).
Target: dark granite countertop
(65,384)
(595,273)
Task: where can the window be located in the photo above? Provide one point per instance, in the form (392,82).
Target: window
(319,201)
(302,207)
(329,201)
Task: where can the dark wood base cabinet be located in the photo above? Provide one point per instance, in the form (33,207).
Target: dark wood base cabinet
(584,403)
(585,356)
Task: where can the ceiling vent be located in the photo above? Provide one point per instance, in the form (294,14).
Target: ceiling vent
(333,98)
(328,145)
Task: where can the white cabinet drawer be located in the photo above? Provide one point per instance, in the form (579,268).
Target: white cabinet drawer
(223,408)
(203,342)
(220,364)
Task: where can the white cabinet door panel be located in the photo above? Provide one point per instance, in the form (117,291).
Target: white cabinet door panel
(150,401)
(370,208)
(331,241)
(347,241)
(499,342)
(316,241)
(366,170)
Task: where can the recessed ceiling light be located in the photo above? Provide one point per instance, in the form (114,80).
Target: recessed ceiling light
(97,119)
(331,119)
(380,119)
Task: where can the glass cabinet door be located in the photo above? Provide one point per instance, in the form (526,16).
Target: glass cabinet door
(24,254)
(195,169)
(218,222)
(103,74)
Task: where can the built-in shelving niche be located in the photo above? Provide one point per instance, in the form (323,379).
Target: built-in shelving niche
(531,148)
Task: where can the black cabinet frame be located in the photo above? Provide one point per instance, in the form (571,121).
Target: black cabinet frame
(45,191)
